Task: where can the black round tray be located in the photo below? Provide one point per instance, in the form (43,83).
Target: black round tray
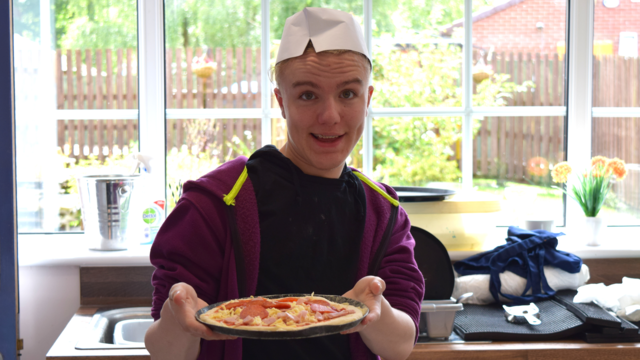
(288,334)
(421,194)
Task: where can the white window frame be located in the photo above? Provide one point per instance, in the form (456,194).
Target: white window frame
(152,113)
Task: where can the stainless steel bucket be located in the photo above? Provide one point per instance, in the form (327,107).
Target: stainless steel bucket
(106,204)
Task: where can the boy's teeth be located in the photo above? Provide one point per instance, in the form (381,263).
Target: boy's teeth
(326,137)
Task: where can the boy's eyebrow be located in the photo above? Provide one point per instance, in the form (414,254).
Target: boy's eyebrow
(316,86)
(305,83)
(351,81)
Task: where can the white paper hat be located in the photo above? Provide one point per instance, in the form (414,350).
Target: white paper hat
(328,29)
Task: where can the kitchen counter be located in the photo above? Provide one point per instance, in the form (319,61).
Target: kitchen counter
(64,348)
(560,349)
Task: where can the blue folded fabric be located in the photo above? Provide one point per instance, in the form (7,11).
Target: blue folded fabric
(525,254)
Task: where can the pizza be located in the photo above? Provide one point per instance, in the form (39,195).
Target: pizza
(281,314)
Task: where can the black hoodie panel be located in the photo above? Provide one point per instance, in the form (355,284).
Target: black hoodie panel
(310,229)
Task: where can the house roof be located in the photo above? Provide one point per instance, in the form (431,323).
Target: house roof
(481,15)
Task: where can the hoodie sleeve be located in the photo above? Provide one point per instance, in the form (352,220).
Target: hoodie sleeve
(189,248)
(405,284)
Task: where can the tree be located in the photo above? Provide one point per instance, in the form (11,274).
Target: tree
(90,24)
(222,23)
(215,23)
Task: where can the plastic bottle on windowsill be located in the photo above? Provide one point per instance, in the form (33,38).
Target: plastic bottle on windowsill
(152,217)
(152,207)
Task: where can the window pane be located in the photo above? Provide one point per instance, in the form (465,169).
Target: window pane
(616,137)
(519,49)
(212,54)
(418,151)
(615,50)
(512,159)
(73,57)
(415,63)
(616,83)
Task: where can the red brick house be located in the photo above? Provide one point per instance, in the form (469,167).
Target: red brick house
(538,26)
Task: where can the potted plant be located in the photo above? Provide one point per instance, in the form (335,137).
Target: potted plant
(590,189)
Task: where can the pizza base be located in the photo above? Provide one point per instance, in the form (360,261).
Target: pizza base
(358,313)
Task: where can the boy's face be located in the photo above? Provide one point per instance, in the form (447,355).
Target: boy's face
(324,98)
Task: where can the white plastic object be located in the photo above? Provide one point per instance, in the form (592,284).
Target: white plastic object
(150,206)
(528,311)
(131,332)
(437,317)
(145,160)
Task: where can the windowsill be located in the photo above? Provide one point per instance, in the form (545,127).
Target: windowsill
(618,242)
(73,249)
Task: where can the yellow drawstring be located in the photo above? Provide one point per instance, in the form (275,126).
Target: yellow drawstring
(230,199)
(375,187)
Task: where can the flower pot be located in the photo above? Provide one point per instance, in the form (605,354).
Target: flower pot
(592,230)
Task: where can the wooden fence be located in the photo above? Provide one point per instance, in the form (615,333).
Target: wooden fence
(107,79)
(89,79)
(504,145)
(617,84)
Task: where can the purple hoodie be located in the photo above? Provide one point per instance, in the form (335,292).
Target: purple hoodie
(195,246)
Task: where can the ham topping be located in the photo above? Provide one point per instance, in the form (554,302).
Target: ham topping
(321,309)
(336,314)
(231,320)
(269,320)
(303,315)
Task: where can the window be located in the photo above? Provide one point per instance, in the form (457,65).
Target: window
(83,101)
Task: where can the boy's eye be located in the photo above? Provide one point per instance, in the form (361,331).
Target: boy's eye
(307,96)
(348,94)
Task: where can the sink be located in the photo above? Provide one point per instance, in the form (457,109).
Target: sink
(122,328)
(131,332)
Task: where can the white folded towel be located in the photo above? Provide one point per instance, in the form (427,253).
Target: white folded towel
(513,284)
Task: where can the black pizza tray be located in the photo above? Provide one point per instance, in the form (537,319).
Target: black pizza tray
(422,194)
(288,334)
